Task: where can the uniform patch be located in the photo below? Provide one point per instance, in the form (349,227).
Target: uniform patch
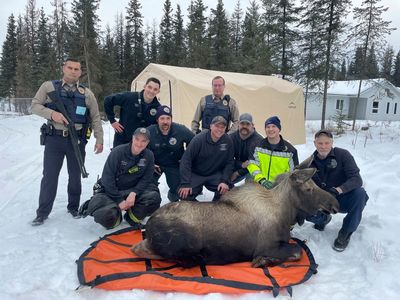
(80,110)
(225,102)
(142,162)
(172,141)
(223,147)
(153,112)
(81,90)
(133,170)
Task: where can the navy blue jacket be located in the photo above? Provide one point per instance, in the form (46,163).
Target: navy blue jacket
(124,172)
(134,112)
(338,169)
(244,149)
(168,149)
(205,157)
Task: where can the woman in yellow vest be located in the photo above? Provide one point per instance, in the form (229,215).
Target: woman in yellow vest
(273,156)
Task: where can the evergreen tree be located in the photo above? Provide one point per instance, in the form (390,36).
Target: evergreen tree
(357,64)
(8,62)
(219,38)
(371,64)
(370,29)
(166,35)
(196,34)
(84,41)
(59,31)
(342,74)
(396,71)
(179,50)
(119,44)
(153,45)
(236,37)
(134,49)
(387,64)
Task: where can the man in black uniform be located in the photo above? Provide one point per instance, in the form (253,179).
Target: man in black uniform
(136,110)
(244,141)
(168,141)
(81,106)
(126,184)
(208,161)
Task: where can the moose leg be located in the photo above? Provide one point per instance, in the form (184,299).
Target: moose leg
(285,252)
(144,250)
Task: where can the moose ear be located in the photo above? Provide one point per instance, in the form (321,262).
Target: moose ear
(306,163)
(302,175)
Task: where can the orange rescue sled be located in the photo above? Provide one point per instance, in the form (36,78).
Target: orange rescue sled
(109,264)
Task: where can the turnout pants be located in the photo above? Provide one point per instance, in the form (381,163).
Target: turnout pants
(107,212)
(56,148)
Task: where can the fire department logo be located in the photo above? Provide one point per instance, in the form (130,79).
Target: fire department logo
(225,102)
(223,147)
(81,90)
(153,112)
(172,141)
(167,110)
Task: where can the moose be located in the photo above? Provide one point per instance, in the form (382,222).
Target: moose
(249,223)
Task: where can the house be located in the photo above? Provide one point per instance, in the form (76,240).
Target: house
(379,101)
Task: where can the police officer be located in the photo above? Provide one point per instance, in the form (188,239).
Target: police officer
(81,106)
(137,109)
(207,161)
(245,139)
(126,184)
(168,141)
(214,105)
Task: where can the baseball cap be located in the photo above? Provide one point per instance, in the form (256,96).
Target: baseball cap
(143,131)
(246,118)
(219,120)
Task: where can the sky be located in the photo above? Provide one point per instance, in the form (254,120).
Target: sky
(39,262)
(153,10)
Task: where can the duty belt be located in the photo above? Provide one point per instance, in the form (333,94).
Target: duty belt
(65,133)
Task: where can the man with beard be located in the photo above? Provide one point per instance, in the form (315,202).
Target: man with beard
(244,142)
(168,141)
(273,156)
(136,110)
(126,184)
(208,161)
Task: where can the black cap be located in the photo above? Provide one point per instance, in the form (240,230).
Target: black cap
(219,120)
(323,132)
(143,131)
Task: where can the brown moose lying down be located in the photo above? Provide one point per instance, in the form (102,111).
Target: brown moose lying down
(249,223)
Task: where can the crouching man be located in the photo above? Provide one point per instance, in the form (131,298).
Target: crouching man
(126,184)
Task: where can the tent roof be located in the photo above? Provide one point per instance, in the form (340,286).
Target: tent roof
(262,96)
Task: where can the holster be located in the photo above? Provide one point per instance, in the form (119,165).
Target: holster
(44,131)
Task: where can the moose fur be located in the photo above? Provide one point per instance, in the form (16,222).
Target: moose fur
(249,223)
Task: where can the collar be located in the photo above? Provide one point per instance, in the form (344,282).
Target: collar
(330,154)
(64,83)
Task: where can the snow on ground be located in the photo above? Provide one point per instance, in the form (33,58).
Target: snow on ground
(39,262)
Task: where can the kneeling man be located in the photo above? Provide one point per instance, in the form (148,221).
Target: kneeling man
(126,184)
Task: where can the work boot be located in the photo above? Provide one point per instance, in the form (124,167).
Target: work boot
(341,241)
(39,220)
(74,214)
(321,226)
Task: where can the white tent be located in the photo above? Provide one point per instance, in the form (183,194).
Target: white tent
(261,96)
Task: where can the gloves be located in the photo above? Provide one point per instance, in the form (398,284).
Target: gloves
(333,192)
(266,183)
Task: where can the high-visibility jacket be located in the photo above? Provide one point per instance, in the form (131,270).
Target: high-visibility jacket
(267,163)
(109,264)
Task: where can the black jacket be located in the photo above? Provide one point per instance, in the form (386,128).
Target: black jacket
(124,172)
(338,169)
(134,113)
(205,157)
(244,149)
(168,149)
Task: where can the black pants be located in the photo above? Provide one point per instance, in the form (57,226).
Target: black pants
(210,182)
(55,149)
(173,179)
(103,208)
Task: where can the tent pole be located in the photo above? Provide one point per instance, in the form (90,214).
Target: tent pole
(170,94)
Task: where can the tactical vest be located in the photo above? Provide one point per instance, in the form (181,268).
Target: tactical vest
(213,109)
(73,101)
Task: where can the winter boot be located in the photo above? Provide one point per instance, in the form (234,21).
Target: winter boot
(341,241)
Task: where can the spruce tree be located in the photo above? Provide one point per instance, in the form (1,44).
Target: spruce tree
(166,35)
(8,61)
(371,64)
(387,64)
(197,35)
(179,48)
(396,71)
(59,31)
(220,58)
(370,29)
(236,37)
(357,65)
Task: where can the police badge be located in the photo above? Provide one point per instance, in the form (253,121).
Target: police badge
(153,112)
(172,141)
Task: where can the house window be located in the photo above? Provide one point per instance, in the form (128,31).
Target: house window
(395,108)
(387,107)
(375,106)
(339,104)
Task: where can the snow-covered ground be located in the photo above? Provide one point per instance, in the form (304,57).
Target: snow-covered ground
(39,262)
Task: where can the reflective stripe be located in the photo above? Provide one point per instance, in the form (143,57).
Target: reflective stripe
(132,216)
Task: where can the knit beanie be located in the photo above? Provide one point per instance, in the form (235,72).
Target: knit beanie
(273,120)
